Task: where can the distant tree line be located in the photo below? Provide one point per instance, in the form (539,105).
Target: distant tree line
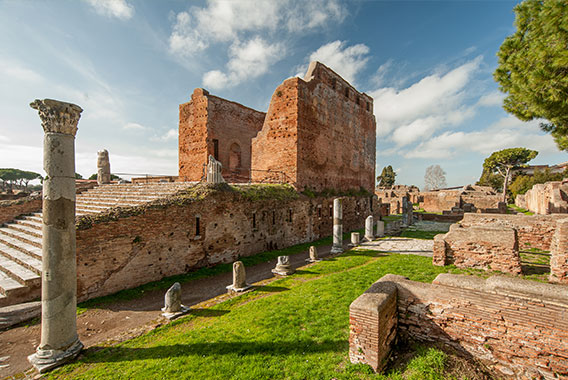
(10,177)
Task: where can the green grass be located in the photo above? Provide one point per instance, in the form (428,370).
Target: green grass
(519,210)
(293,328)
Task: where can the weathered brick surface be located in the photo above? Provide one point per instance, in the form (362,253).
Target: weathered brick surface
(470,198)
(532,230)
(393,196)
(9,210)
(559,253)
(372,325)
(162,242)
(516,327)
(547,198)
(482,247)
(320,131)
(207,118)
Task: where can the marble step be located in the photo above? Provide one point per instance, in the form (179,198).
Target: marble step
(27,248)
(27,260)
(21,236)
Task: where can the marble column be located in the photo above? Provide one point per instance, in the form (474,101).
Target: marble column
(59,339)
(337,226)
(369,235)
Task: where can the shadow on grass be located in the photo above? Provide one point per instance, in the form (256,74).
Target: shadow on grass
(208,312)
(361,252)
(303,271)
(125,354)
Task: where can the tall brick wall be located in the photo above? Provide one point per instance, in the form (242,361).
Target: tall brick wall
(516,327)
(9,210)
(320,131)
(207,118)
(533,230)
(469,198)
(547,198)
(163,241)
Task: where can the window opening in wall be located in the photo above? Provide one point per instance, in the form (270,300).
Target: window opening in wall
(346,92)
(254,220)
(216,149)
(273,217)
(319,212)
(357,100)
(330,210)
(197,226)
(368,106)
(371,204)
(333,83)
(290,215)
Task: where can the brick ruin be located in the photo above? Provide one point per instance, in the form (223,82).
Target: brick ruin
(547,198)
(491,242)
(319,133)
(516,327)
(209,125)
(393,197)
(470,198)
(176,236)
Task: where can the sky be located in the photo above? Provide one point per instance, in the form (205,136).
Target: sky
(129,64)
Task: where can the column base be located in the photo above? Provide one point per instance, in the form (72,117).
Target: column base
(46,360)
(335,249)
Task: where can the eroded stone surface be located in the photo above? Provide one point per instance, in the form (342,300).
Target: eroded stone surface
(313,255)
(103,167)
(214,170)
(239,278)
(283,267)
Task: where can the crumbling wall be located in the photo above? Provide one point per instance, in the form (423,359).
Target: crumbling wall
(166,240)
(547,198)
(516,327)
(438,201)
(481,247)
(319,131)
(533,230)
(209,125)
(9,210)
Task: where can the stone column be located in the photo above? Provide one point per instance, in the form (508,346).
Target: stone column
(214,170)
(337,226)
(380,228)
(239,278)
(369,235)
(355,239)
(103,167)
(59,340)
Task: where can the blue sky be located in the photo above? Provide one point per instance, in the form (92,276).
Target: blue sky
(129,64)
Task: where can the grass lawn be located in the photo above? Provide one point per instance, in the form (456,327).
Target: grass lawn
(293,328)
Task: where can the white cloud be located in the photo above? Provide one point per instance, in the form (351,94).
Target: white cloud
(221,21)
(134,126)
(113,8)
(347,61)
(247,60)
(171,134)
(4,139)
(500,135)
(492,99)
(19,72)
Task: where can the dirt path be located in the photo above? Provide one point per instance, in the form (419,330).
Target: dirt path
(126,319)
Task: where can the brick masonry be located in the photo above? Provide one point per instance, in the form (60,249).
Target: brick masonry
(533,230)
(209,125)
(320,131)
(481,247)
(9,210)
(547,198)
(516,327)
(165,241)
(470,198)
(559,249)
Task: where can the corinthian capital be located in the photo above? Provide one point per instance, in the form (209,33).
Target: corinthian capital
(56,116)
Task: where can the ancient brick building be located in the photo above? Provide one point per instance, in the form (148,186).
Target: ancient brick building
(209,125)
(319,132)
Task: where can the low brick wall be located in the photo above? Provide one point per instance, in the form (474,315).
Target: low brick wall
(481,247)
(176,238)
(9,210)
(438,218)
(516,327)
(559,251)
(547,198)
(438,201)
(533,230)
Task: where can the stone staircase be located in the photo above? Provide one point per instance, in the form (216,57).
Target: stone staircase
(20,240)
